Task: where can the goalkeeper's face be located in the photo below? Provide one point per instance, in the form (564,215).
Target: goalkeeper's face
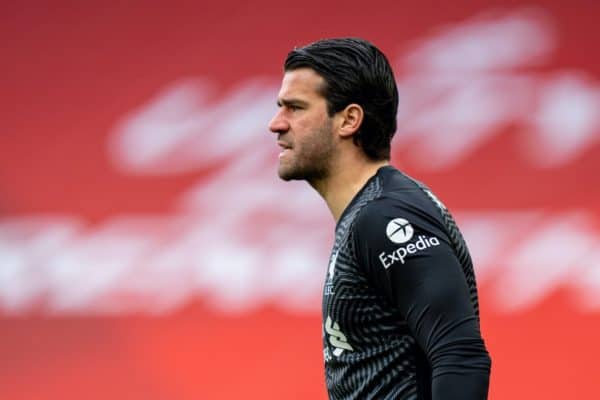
(303,127)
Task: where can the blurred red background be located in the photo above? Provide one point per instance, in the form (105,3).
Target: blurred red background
(148,250)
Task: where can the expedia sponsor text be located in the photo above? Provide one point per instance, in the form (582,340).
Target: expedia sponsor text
(422,243)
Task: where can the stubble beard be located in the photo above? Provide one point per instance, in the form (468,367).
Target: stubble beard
(311,157)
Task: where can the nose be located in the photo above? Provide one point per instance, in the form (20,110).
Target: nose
(278,123)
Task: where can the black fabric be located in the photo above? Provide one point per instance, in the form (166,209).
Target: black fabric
(400,305)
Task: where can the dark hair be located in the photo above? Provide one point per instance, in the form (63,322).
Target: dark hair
(355,71)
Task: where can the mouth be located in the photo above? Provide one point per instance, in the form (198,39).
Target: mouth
(285,148)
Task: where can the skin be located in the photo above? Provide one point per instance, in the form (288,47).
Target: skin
(317,147)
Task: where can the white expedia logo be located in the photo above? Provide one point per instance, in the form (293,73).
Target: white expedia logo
(399,230)
(336,338)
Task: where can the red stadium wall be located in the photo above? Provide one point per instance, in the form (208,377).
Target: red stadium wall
(148,250)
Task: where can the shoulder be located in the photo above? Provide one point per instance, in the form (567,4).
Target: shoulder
(403,228)
(401,205)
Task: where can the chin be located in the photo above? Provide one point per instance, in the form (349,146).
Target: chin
(287,176)
(290,174)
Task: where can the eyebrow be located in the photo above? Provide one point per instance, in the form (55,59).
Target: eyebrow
(291,102)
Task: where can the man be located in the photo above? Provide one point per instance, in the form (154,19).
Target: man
(400,308)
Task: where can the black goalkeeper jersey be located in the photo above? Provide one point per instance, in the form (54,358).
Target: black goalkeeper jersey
(400,308)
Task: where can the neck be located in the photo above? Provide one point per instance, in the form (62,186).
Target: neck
(341,185)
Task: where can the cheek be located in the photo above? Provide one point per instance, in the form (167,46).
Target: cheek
(308,124)
(301,132)
(304,124)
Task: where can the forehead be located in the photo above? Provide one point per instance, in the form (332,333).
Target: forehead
(301,83)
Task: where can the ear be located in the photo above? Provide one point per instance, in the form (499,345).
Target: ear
(351,118)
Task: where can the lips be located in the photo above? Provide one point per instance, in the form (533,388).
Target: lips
(285,148)
(284,145)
